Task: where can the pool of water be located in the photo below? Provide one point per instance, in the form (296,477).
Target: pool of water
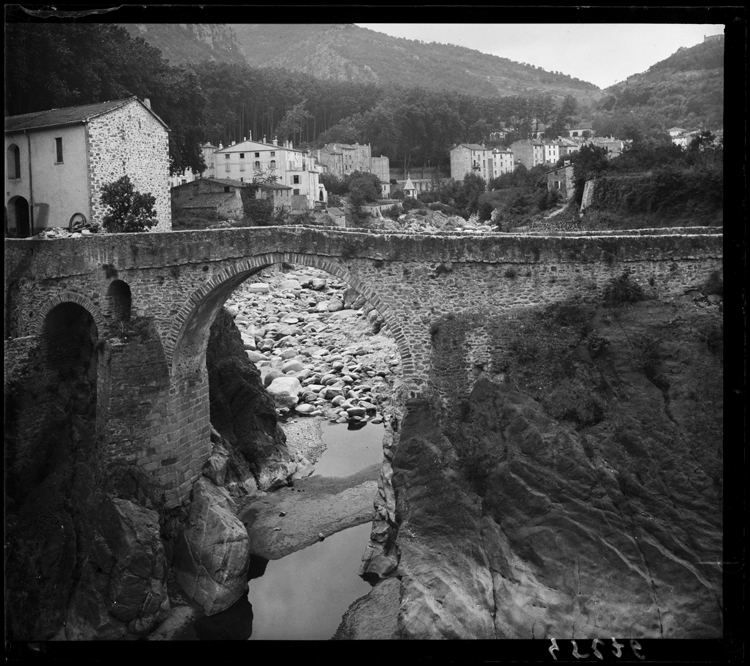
(304,595)
(349,451)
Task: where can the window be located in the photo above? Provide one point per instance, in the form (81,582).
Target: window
(273,153)
(242,166)
(295,180)
(257,154)
(296,191)
(226,156)
(242,156)
(273,163)
(226,188)
(257,165)
(13,158)
(58,150)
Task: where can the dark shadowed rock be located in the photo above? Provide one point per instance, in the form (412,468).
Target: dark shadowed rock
(242,411)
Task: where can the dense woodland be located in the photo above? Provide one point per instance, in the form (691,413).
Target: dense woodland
(64,64)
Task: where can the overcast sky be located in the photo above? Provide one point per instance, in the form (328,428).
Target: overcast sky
(602,54)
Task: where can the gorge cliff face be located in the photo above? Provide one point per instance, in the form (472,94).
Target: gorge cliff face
(576,492)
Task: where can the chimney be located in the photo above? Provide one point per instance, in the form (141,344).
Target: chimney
(220,146)
(251,136)
(147,102)
(244,138)
(275,141)
(264,138)
(233,142)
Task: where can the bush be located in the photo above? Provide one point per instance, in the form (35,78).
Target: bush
(623,290)
(129,210)
(411,204)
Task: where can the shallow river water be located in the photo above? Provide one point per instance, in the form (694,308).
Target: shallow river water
(304,595)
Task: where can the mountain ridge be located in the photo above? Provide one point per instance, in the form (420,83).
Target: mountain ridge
(346,52)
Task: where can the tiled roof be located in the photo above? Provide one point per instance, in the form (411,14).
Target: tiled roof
(209,200)
(471,146)
(228,181)
(67,116)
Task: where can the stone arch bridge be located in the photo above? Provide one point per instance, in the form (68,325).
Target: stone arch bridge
(153,296)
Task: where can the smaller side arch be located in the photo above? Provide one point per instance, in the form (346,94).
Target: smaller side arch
(37,325)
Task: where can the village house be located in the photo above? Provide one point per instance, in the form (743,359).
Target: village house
(469,158)
(503,161)
(221,198)
(561,180)
(251,161)
(583,129)
(529,152)
(342,159)
(58,161)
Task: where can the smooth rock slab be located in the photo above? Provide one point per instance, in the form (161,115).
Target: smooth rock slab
(212,554)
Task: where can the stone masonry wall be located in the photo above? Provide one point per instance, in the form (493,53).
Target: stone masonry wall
(158,389)
(130,141)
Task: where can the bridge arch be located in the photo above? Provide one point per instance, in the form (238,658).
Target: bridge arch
(192,323)
(38,323)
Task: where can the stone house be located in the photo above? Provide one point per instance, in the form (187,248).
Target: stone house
(338,216)
(213,198)
(221,198)
(57,162)
(561,180)
(342,159)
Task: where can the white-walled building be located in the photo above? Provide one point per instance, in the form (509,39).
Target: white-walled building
(502,162)
(250,160)
(58,161)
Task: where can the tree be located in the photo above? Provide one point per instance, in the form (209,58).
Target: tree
(293,121)
(130,211)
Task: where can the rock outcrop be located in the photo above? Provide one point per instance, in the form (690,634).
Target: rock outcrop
(577,491)
(212,555)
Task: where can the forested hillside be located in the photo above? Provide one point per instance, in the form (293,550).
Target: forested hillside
(349,53)
(345,52)
(685,90)
(182,43)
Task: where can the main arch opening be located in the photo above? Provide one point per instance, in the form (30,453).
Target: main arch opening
(329,364)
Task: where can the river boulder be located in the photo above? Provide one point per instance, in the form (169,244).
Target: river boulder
(212,553)
(285,391)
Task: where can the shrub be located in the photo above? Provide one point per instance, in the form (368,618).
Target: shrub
(129,210)
(623,290)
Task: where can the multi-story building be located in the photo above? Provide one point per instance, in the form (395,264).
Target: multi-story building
(342,159)
(469,158)
(502,162)
(58,161)
(529,152)
(251,161)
